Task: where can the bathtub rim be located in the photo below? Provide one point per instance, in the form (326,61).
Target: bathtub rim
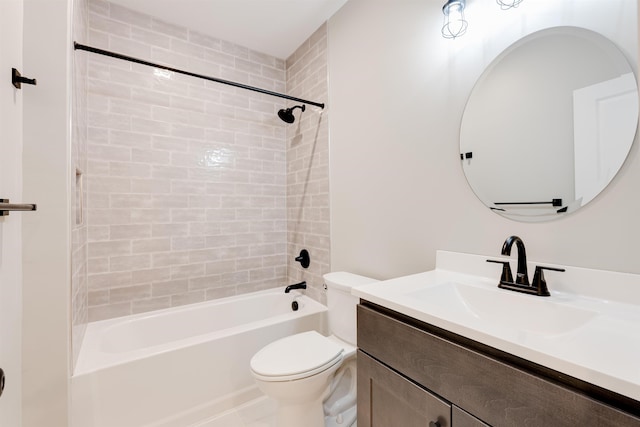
(92,359)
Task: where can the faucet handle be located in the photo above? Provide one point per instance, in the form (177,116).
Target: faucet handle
(303,258)
(539,283)
(506,270)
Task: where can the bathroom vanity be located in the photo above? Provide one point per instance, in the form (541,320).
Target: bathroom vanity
(424,361)
(412,374)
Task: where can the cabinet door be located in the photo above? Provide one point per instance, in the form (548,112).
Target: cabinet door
(386,398)
(461,418)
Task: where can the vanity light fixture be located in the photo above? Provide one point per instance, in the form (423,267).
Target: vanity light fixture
(454,23)
(508,4)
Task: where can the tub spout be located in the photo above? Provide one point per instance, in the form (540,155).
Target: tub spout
(301,285)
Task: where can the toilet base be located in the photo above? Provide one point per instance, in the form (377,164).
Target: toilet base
(340,406)
(299,402)
(346,419)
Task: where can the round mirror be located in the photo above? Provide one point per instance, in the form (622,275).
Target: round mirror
(549,124)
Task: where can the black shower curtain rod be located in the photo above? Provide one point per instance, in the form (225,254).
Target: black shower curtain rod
(78,46)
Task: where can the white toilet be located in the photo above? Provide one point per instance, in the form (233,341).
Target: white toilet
(311,377)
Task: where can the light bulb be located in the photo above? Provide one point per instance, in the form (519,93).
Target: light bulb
(508,4)
(454,23)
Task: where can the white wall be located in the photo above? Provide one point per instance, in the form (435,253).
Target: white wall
(11,226)
(397,93)
(46,233)
(78,166)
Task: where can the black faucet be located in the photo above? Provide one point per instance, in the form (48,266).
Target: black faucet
(539,285)
(522,277)
(301,285)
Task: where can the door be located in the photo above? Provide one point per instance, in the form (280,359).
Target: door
(11,13)
(605,121)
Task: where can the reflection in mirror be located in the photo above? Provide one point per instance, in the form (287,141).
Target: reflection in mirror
(549,124)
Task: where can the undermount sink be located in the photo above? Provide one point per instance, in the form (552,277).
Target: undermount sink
(502,308)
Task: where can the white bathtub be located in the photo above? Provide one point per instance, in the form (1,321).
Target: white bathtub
(173,367)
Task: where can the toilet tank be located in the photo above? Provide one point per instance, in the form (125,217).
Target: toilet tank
(341,304)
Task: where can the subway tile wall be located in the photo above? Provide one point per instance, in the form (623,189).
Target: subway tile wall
(308,165)
(186,179)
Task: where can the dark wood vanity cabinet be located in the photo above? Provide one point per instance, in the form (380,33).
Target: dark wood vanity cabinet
(413,374)
(461,418)
(389,399)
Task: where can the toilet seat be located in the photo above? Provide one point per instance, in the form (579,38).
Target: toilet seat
(295,357)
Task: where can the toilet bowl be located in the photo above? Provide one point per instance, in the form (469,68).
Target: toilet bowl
(312,377)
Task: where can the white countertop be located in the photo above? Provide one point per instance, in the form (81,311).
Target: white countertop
(589,327)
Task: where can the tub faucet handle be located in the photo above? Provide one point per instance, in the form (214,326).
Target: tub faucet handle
(304,259)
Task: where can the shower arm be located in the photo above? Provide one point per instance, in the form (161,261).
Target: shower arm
(78,46)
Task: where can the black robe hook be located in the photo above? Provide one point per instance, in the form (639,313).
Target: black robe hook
(17,79)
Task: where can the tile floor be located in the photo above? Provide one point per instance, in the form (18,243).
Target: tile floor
(259,412)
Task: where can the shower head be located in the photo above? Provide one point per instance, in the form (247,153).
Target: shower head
(287,115)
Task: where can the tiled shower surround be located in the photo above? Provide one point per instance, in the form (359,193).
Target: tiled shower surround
(187,179)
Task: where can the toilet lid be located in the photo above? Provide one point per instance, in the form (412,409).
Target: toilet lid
(295,355)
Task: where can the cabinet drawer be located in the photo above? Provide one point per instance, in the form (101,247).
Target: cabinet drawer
(460,418)
(387,399)
(496,392)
